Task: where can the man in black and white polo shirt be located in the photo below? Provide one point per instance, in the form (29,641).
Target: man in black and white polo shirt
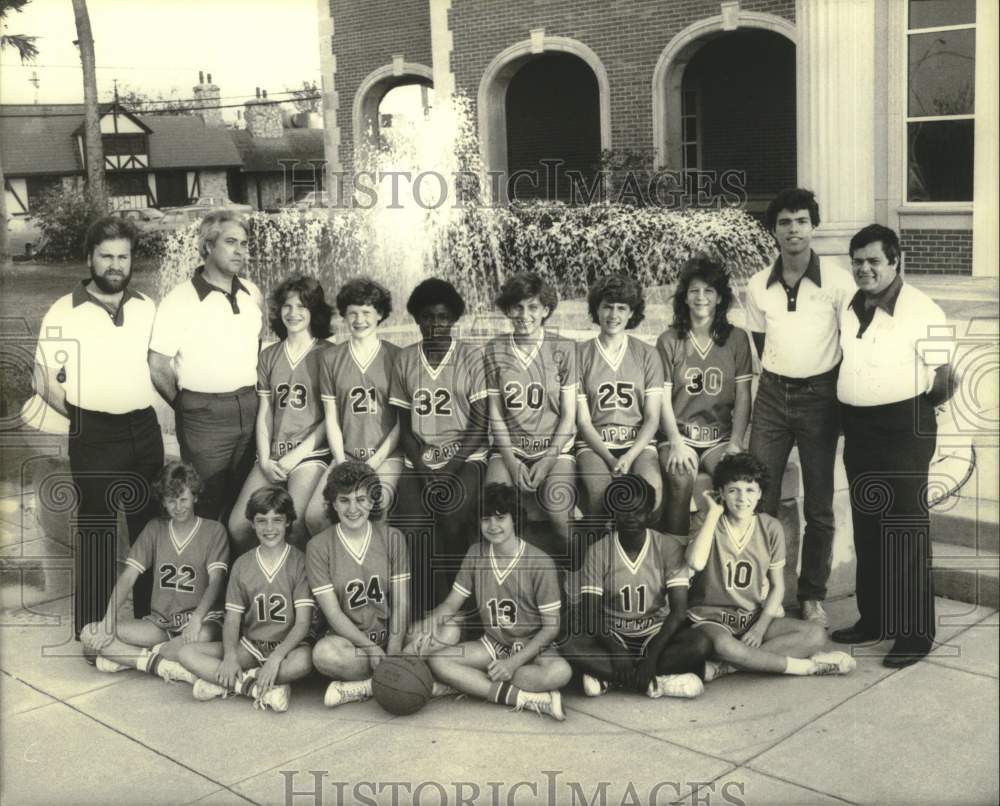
(91,367)
(792,313)
(896,369)
(203,359)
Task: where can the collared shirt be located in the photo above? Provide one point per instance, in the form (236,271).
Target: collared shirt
(895,356)
(99,353)
(864,305)
(800,322)
(212,335)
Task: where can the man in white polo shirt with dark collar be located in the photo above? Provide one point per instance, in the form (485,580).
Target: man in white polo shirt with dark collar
(792,313)
(203,360)
(896,369)
(91,367)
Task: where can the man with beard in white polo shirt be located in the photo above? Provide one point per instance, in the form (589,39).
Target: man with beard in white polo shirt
(115,445)
(203,360)
(896,369)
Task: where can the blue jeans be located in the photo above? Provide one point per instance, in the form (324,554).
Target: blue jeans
(806,414)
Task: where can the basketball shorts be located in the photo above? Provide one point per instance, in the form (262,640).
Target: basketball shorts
(735,619)
(635,645)
(500,650)
(617,452)
(260,650)
(175,625)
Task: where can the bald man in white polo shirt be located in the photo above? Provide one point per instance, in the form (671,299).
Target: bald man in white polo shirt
(896,369)
(91,367)
(203,360)
(792,313)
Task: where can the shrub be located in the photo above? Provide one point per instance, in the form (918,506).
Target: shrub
(63,215)
(477,247)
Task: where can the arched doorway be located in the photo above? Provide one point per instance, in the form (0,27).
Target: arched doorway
(369,97)
(553,126)
(568,82)
(738,111)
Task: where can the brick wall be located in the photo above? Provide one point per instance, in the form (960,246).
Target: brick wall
(746,80)
(937,251)
(367,34)
(627,35)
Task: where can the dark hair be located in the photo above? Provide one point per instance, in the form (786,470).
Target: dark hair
(109,228)
(629,493)
(311,295)
(740,467)
(266,499)
(347,477)
(617,288)
(175,477)
(874,233)
(211,226)
(503,499)
(792,199)
(435,291)
(711,273)
(362,291)
(525,285)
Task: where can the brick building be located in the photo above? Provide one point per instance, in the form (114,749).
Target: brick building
(886,108)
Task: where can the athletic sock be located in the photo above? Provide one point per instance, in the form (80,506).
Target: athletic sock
(504,694)
(247,684)
(798,666)
(148,660)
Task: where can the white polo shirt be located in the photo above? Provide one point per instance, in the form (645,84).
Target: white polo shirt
(895,357)
(801,323)
(99,354)
(212,335)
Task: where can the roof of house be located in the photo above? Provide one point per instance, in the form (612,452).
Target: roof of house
(40,140)
(267,154)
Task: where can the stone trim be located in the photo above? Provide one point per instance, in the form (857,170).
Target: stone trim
(674,58)
(491,99)
(373,88)
(331,98)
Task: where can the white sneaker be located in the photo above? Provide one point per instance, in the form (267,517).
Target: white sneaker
(547,703)
(204,690)
(441,690)
(686,686)
(340,692)
(832,663)
(173,672)
(715,669)
(276,698)
(109,666)
(594,687)
(812,610)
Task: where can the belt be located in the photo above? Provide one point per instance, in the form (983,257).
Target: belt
(243,390)
(829,375)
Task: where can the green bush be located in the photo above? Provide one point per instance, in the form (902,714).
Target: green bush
(63,215)
(476,247)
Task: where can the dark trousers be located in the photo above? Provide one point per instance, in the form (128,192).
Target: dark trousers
(887,452)
(806,414)
(439,514)
(113,459)
(216,435)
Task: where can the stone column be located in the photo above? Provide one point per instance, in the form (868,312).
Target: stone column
(835,71)
(984,189)
(331,98)
(441,47)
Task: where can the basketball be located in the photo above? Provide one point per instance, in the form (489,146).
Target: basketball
(402,685)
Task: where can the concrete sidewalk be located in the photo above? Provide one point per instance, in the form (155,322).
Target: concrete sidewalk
(926,734)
